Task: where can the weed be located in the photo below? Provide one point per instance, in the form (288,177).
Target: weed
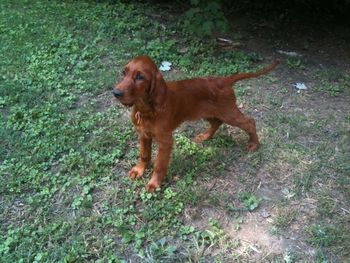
(320,257)
(250,201)
(295,63)
(284,218)
(160,251)
(325,235)
(204,17)
(326,206)
(333,82)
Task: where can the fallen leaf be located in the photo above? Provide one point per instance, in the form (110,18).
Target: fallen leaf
(184,50)
(289,53)
(300,86)
(165,66)
(264,213)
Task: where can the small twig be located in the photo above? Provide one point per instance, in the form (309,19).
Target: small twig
(212,186)
(345,210)
(227,43)
(138,218)
(225,40)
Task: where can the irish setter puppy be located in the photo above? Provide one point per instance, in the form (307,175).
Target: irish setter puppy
(159,106)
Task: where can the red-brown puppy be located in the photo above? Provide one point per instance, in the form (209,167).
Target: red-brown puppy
(159,106)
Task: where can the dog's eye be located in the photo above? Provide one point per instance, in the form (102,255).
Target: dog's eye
(139,77)
(124,72)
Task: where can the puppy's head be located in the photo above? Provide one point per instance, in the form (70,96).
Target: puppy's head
(141,81)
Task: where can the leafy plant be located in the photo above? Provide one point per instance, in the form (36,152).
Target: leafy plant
(204,17)
(295,63)
(250,201)
(159,251)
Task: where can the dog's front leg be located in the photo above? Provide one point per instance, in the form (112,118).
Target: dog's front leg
(165,145)
(145,158)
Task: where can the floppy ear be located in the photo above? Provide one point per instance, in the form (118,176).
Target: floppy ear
(158,92)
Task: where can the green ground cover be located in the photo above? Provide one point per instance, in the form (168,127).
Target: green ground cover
(66,148)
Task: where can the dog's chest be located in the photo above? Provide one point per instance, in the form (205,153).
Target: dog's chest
(144,130)
(143,126)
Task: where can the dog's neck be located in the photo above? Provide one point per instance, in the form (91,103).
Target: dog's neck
(143,108)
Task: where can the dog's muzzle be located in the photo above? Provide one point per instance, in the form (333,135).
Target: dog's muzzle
(117,93)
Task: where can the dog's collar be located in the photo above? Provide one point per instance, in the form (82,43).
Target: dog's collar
(138,117)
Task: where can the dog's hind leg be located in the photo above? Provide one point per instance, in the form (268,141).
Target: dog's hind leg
(214,125)
(235,117)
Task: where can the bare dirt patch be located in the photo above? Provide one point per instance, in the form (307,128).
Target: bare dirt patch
(290,176)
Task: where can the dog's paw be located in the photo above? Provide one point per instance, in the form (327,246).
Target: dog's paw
(201,137)
(252,146)
(152,185)
(135,172)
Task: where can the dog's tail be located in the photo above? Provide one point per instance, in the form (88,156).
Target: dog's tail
(239,76)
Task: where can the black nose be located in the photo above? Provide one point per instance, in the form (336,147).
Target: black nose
(117,93)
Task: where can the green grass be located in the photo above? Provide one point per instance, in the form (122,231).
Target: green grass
(66,147)
(333,81)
